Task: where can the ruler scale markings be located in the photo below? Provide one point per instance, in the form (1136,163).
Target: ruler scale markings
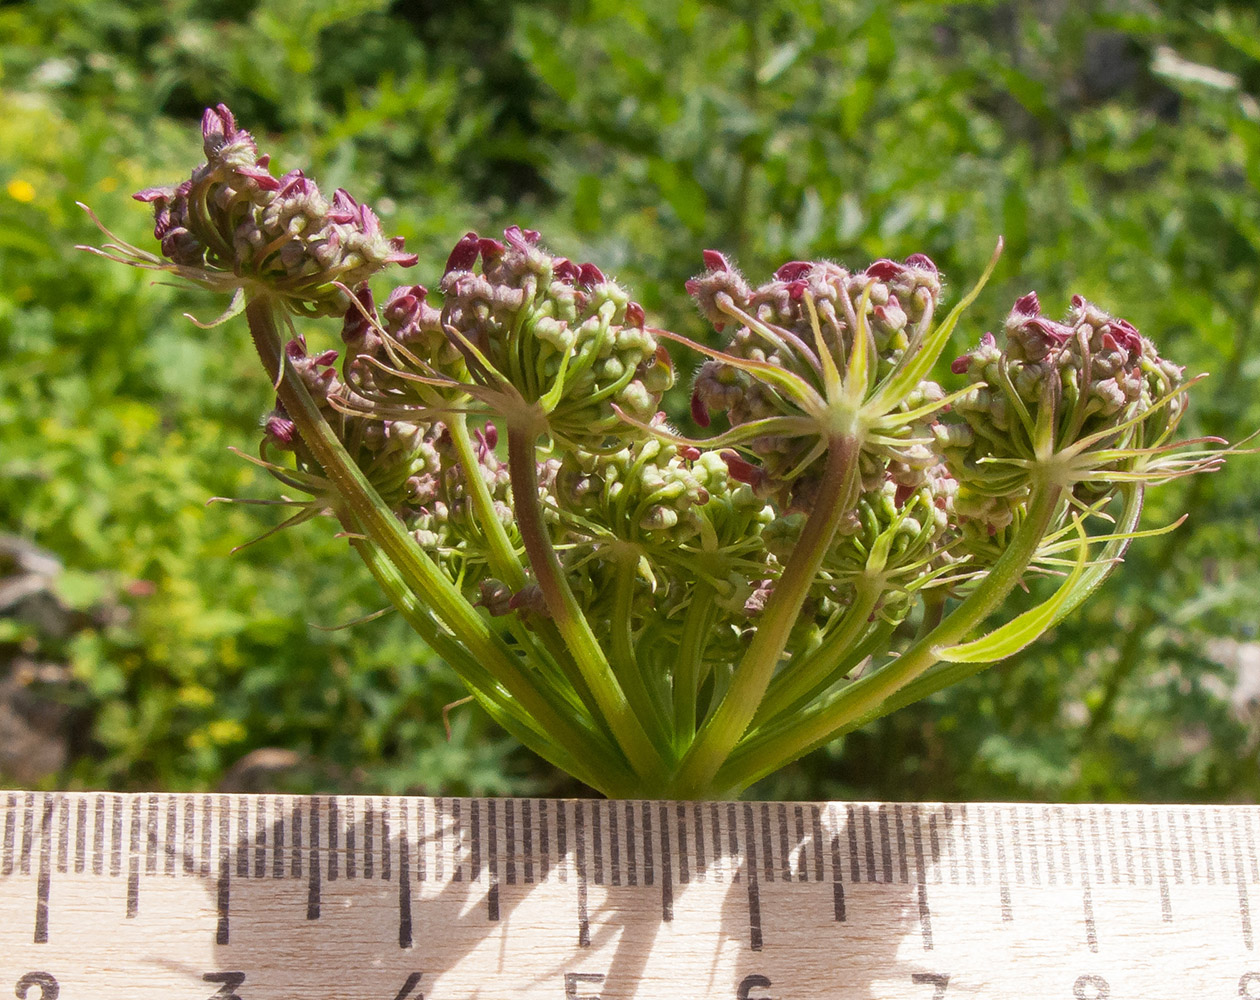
(885,844)
(1017,845)
(223,893)
(277,837)
(785,849)
(732,843)
(422,840)
(1144,847)
(509,840)
(44,877)
(684,865)
(667,874)
(597,850)
(1165,900)
(314,887)
(1220,841)
(10,826)
(1113,855)
(562,845)
(369,843)
(697,822)
(1126,836)
(1244,900)
(982,831)
(1100,875)
(767,843)
(754,888)
(133,860)
(189,846)
(902,854)
(457,840)
(1004,885)
(715,832)
(872,873)
(1192,854)
(855,872)
(351,829)
(1087,894)
(1052,874)
(98,840)
(295,841)
(80,836)
(837,884)
(404,877)
(151,836)
(1174,846)
(1066,857)
(920,876)
(439,839)
(1205,840)
(1251,848)
(172,833)
(802,845)
(242,838)
(334,837)
(387,836)
(965,835)
(584,926)
(816,836)
(614,842)
(63,834)
(632,848)
(474,858)
(28,834)
(207,817)
(492,859)
(527,837)
(544,834)
(934,845)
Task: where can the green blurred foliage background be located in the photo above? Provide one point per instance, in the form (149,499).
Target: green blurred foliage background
(1115,145)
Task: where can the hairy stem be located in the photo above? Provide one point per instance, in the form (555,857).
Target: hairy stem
(688,674)
(799,679)
(565,611)
(377,522)
(864,696)
(730,719)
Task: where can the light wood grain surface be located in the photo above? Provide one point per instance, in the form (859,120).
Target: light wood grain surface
(278,897)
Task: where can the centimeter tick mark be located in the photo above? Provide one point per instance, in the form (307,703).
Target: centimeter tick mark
(754,889)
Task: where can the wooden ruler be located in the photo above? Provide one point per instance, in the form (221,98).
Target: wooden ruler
(238,897)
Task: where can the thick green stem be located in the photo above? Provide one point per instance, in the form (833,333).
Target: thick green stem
(505,563)
(625,662)
(864,696)
(727,724)
(690,663)
(379,524)
(799,679)
(625,726)
(571,751)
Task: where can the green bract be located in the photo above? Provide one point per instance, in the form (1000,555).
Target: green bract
(656,614)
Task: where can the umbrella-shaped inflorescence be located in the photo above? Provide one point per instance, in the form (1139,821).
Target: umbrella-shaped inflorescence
(655,613)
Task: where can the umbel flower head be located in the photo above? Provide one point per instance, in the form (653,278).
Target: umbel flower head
(232,225)
(655,614)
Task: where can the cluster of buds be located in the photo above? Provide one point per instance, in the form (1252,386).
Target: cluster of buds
(660,615)
(233,223)
(1076,396)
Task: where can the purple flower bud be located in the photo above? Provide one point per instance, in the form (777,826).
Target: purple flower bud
(794,270)
(743,471)
(521,239)
(218,128)
(885,269)
(699,412)
(921,260)
(1028,305)
(490,250)
(635,316)
(464,255)
(356,330)
(279,429)
(565,270)
(590,275)
(715,261)
(961,364)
